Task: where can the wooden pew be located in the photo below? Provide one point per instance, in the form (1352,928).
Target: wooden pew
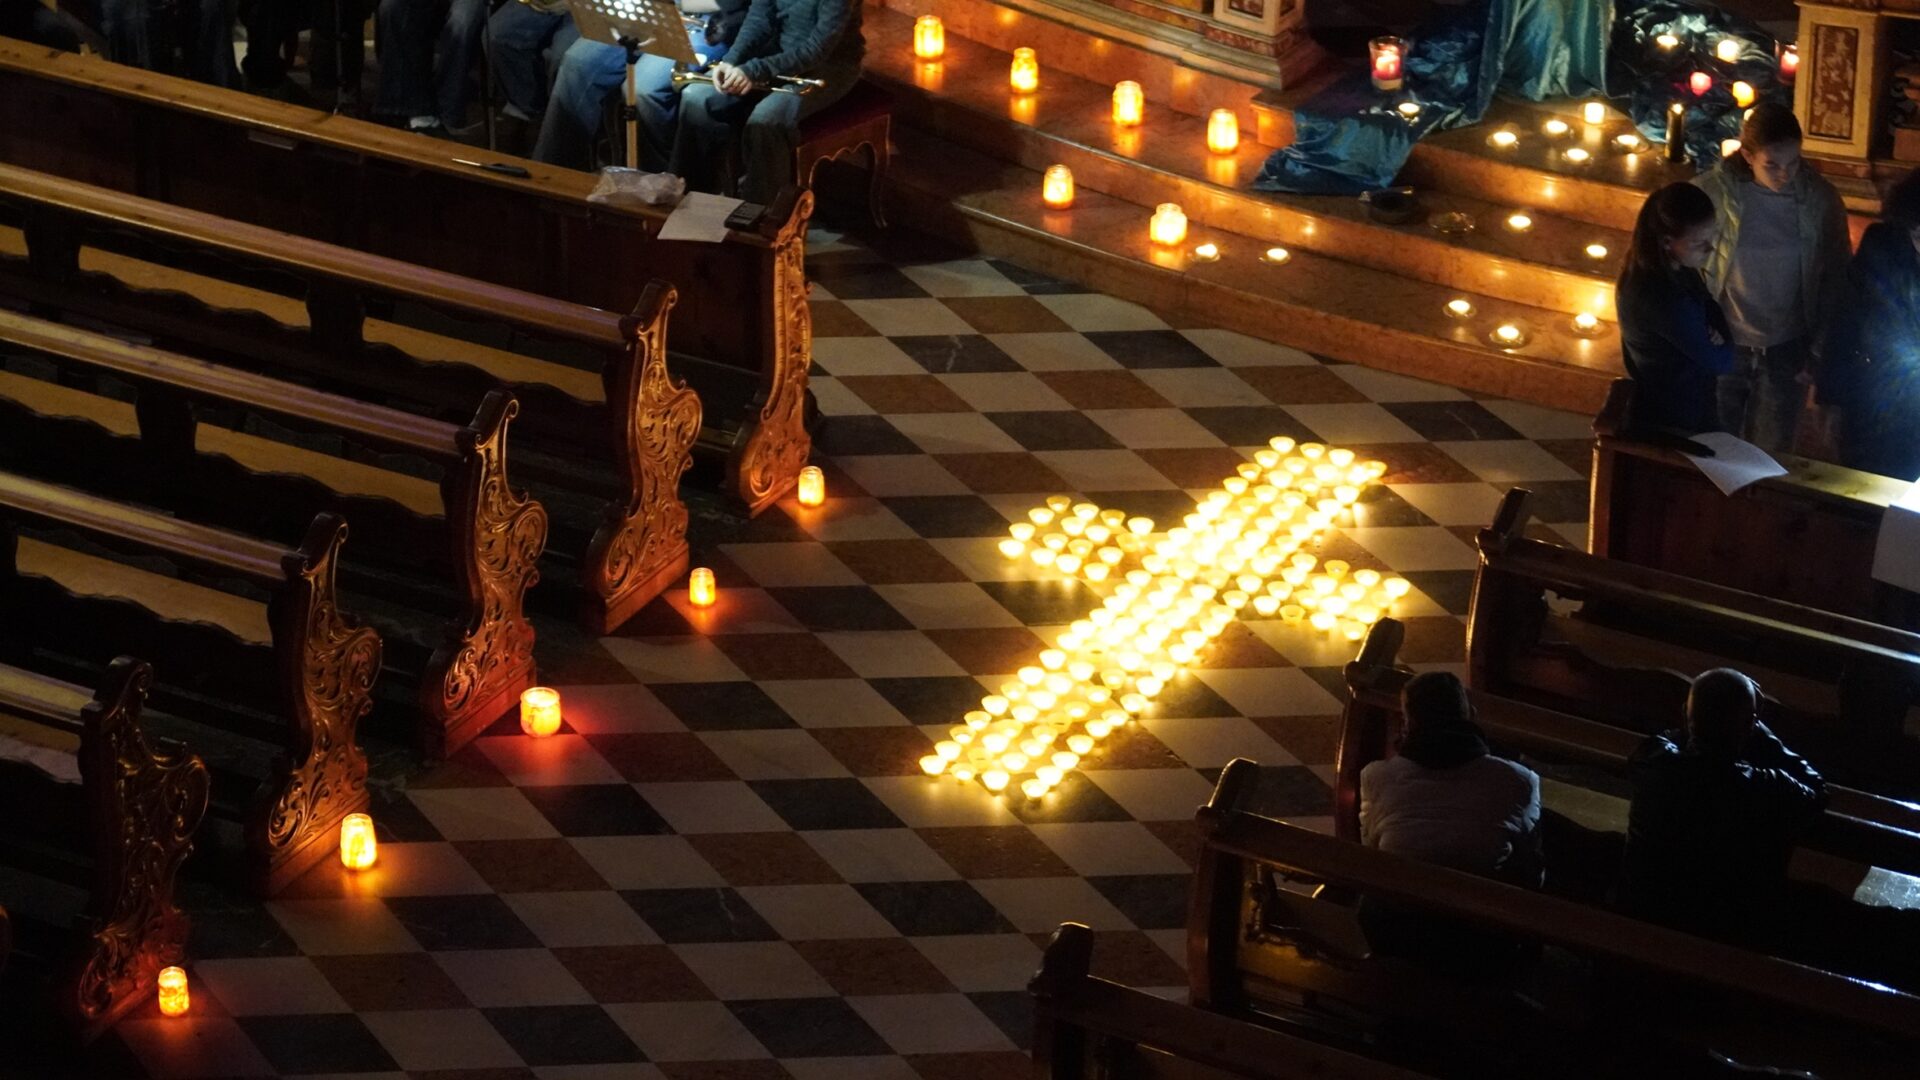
(744,333)
(297,308)
(1864,829)
(89,800)
(1840,689)
(1092,1029)
(467,561)
(1807,537)
(1272,938)
(275,690)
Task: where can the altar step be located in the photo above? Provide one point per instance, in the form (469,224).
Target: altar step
(1314,302)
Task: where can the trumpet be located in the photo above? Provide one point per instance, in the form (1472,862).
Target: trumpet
(782,84)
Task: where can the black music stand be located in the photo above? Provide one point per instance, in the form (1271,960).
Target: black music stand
(634,25)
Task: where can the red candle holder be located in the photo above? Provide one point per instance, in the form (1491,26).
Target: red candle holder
(1789,57)
(1700,82)
(1387,58)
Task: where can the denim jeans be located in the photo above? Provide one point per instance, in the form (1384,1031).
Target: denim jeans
(592,70)
(1761,399)
(766,125)
(525,47)
(203,32)
(426,56)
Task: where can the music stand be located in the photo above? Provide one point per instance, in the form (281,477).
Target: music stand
(653,25)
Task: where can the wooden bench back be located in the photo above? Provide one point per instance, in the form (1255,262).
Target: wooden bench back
(1854,681)
(1807,537)
(1086,1028)
(1251,952)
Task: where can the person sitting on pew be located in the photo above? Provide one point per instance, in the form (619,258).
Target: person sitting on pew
(426,56)
(1716,809)
(1673,335)
(31,20)
(592,70)
(144,34)
(819,39)
(1869,385)
(525,42)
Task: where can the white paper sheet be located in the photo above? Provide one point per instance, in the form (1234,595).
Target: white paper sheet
(1735,462)
(1896,554)
(699,217)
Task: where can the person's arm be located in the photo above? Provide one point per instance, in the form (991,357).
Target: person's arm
(1834,255)
(831,19)
(1764,749)
(756,30)
(1687,326)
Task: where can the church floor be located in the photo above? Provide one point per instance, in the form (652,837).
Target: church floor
(727,864)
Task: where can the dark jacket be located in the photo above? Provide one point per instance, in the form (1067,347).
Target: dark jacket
(1708,837)
(1675,342)
(725,24)
(1824,244)
(1871,366)
(795,37)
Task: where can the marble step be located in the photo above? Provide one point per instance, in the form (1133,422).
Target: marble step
(1312,301)
(964,100)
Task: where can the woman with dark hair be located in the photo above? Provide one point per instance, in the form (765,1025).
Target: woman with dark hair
(1673,335)
(1869,384)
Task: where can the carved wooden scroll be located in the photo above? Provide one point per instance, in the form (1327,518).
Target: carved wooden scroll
(768,461)
(327,667)
(144,805)
(641,544)
(496,537)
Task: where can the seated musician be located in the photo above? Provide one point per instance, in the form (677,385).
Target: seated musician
(336,56)
(525,41)
(817,39)
(1869,385)
(592,70)
(426,59)
(30,20)
(202,29)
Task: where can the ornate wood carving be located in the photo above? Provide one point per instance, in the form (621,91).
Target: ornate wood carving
(768,462)
(496,536)
(1836,59)
(145,805)
(641,544)
(327,667)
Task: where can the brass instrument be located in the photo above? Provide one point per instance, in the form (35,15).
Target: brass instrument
(783,84)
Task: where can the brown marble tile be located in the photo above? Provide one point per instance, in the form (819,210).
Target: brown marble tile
(671,755)
(530,865)
(876,751)
(764,859)
(1001,851)
(831,318)
(474,1074)
(782,656)
(1301,385)
(617,973)
(750,1069)
(1001,474)
(468,768)
(1417,463)
(1104,390)
(905,393)
(1005,314)
(1315,740)
(1134,748)
(1197,467)
(993,650)
(1335,545)
(983,1065)
(1239,647)
(874,966)
(1576,453)
(1131,958)
(376,983)
(896,562)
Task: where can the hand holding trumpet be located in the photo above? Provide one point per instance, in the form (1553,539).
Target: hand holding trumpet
(732,81)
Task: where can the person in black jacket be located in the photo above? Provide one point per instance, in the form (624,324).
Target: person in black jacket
(1673,335)
(818,39)
(1869,386)
(30,20)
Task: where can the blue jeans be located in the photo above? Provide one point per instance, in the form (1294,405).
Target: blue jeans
(426,53)
(203,32)
(766,125)
(525,47)
(592,70)
(1761,399)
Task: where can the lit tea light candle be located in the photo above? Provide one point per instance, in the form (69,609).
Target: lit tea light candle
(1729,147)
(995,779)
(1509,335)
(358,848)
(1627,141)
(1207,252)
(1742,94)
(1129,103)
(1519,222)
(1556,128)
(1056,187)
(1699,82)
(1667,41)
(1586,323)
(1596,251)
(1578,156)
(1276,255)
(1396,587)
(1729,49)
(1408,109)
(1459,308)
(812,487)
(1168,226)
(700,590)
(1386,57)
(933,764)
(1594,112)
(929,38)
(1024,76)
(1223,131)
(1503,139)
(540,711)
(1789,63)
(173,994)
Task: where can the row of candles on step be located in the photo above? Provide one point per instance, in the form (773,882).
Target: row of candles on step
(1387,63)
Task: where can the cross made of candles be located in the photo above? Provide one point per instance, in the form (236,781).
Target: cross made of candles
(1168,596)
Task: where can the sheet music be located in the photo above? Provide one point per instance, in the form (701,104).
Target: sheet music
(1735,462)
(699,217)
(1896,554)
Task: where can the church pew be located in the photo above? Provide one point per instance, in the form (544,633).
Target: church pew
(466,560)
(1086,1028)
(250,638)
(1807,537)
(1864,829)
(1273,938)
(91,802)
(298,308)
(1840,689)
(743,338)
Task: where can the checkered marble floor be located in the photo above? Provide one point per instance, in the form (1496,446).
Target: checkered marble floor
(727,865)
